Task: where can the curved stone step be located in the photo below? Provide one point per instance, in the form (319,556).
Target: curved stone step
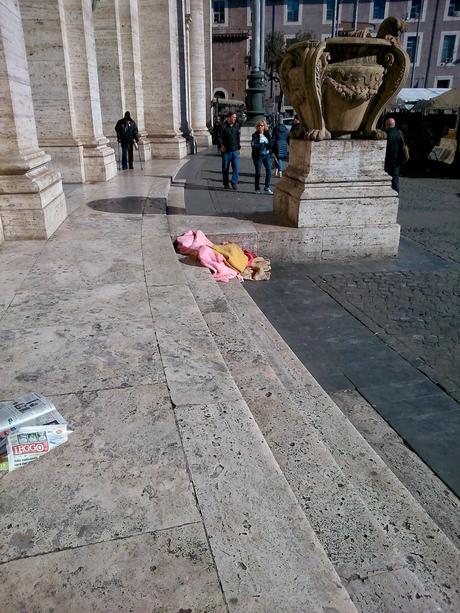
(267,555)
(376,567)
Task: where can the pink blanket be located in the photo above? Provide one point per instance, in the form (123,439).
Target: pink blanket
(191,242)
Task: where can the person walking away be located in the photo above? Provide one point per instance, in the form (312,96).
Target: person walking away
(261,145)
(280,145)
(229,146)
(216,130)
(394,155)
(127,133)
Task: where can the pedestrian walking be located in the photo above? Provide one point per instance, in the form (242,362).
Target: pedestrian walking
(127,134)
(395,153)
(261,145)
(280,145)
(229,146)
(216,132)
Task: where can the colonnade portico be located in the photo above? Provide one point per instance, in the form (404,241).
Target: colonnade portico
(69,71)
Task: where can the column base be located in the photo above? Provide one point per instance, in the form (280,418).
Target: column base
(32,205)
(68,160)
(246,133)
(202,138)
(168,147)
(146,149)
(99,162)
(340,188)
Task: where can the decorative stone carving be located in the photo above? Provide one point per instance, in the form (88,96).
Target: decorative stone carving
(341,85)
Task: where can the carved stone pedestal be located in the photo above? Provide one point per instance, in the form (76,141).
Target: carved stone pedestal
(339,188)
(32,203)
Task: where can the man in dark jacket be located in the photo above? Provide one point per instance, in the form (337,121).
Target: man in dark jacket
(229,147)
(126,130)
(394,156)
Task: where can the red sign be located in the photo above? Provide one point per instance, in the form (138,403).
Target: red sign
(30,448)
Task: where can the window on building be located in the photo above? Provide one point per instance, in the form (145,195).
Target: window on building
(378,9)
(415,9)
(454,8)
(444,83)
(330,10)
(448,48)
(218,7)
(411,48)
(292,11)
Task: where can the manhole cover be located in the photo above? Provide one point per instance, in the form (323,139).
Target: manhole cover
(135,205)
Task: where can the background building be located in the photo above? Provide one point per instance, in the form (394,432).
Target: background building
(432,37)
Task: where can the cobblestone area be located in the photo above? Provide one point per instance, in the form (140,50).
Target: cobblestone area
(421,310)
(418,310)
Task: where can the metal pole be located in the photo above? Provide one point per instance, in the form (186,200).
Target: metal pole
(430,52)
(262,35)
(412,78)
(255,51)
(334,18)
(355,15)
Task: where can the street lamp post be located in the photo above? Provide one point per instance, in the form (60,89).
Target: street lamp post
(255,93)
(420,11)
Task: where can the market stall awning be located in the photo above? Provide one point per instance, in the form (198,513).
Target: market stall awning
(408,97)
(447,100)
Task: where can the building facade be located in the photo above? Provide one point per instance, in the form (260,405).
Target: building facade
(431,40)
(69,69)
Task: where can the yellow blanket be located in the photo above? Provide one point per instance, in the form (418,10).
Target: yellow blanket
(233,254)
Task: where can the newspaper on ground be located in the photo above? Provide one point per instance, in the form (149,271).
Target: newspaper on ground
(29,410)
(30,427)
(27,444)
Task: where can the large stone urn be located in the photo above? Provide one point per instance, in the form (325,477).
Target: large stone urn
(341,85)
(335,186)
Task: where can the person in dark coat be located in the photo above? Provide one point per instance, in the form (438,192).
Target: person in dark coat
(127,133)
(228,140)
(280,145)
(261,145)
(394,155)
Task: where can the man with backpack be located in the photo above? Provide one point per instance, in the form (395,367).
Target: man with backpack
(127,133)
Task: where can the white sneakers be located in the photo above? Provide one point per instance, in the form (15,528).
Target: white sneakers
(267,190)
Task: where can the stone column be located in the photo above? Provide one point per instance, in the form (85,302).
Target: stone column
(65,87)
(131,73)
(208,56)
(32,203)
(199,100)
(106,18)
(159,56)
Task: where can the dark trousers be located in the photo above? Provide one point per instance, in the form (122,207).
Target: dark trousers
(127,154)
(394,172)
(266,160)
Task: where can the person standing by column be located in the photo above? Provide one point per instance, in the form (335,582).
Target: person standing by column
(261,144)
(394,155)
(127,133)
(229,146)
(280,145)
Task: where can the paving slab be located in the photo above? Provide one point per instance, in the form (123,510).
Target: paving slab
(250,513)
(195,370)
(64,359)
(36,307)
(165,572)
(121,473)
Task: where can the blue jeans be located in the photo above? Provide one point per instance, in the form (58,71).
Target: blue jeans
(233,158)
(266,160)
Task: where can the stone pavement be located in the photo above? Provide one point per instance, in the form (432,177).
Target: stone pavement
(208,470)
(388,328)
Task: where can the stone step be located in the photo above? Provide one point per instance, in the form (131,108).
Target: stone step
(267,555)
(358,520)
